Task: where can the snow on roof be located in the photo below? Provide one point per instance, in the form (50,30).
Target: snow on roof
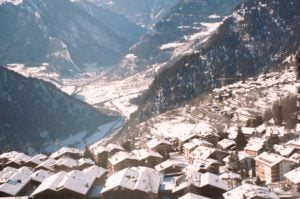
(6,173)
(250,191)
(112,146)
(199,164)
(40,175)
(201,142)
(226,143)
(295,158)
(213,180)
(295,143)
(230,175)
(97,171)
(284,150)
(140,178)
(260,129)
(156,142)
(294,176)
(64,151)
(186,136)
(275,130)
(189,146)
(67,162)
(298,127)
(142,154)
(248,130)
(241,154)
(269,159)
(204,129)
(83,161)
(254,144)
(77,181)
(121,156)
(232,132)
(98,150)
(47,164)
(170,163)
(192,196)
(202,152)
(9,155)
(38,159)
(50,183)
(13,156)
(14,2)
(16,182)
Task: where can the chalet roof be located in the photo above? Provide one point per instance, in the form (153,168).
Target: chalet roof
(83,161)
(248,131)
(248,191)
(38,159)
(226,143)
(67,162)
(142,154)
(294,176)
(16,157)
(140,178)
(213,180)
(65,150)
(269,159)
(48,164)
(77,181)
(151,144)
(121,156)
(40,175)
(50,183)
(99,150)
(241,155)
(192,196)
(295,143)
(230,175)
(189,146)
(170,163)
(284,150)
(97,171)
(199,164)
(6,173)
(112,146)
(254,144)
(202,152)
(17,181)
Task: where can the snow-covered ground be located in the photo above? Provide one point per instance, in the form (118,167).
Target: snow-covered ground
(96,88)
(82,139)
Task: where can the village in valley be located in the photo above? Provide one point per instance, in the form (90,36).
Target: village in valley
(240,141)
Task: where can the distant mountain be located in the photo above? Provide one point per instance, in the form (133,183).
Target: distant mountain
(175,33)
(144,13)
(68,35)
(34,113)
(258,36)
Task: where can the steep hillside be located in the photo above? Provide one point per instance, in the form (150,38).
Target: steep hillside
(68,35)
(175,34)
(144,13)
(258,35)
(34,113)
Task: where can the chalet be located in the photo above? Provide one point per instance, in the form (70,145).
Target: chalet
(47,165)
(293,179)
(250,191)
(203,166)
(188,149)
(162,146)
(294,143)
(67,152)
(16,184)
(184,138)
(208,184)
(5,157)
(147,158)
(48,189)
(271,167)
(100,154)
(171,167)
(98,172)
(36,160)
(17,160)
(132,183)
(285,151)
(226,144)
(202,152)
(244,159)
(65,164)
(295,158)
(40,175)
(248,131)
(254,147)
(112,149)
(192,196)
(232,179)
(122,160)
(85,163)
(6,173)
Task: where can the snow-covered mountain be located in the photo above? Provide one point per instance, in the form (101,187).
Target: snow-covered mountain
(144,13)
(70,36)
(187,23)
(259,35)
(35,114)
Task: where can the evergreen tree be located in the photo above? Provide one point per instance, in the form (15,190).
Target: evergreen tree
(87,153)
(240,140)
(234,163)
